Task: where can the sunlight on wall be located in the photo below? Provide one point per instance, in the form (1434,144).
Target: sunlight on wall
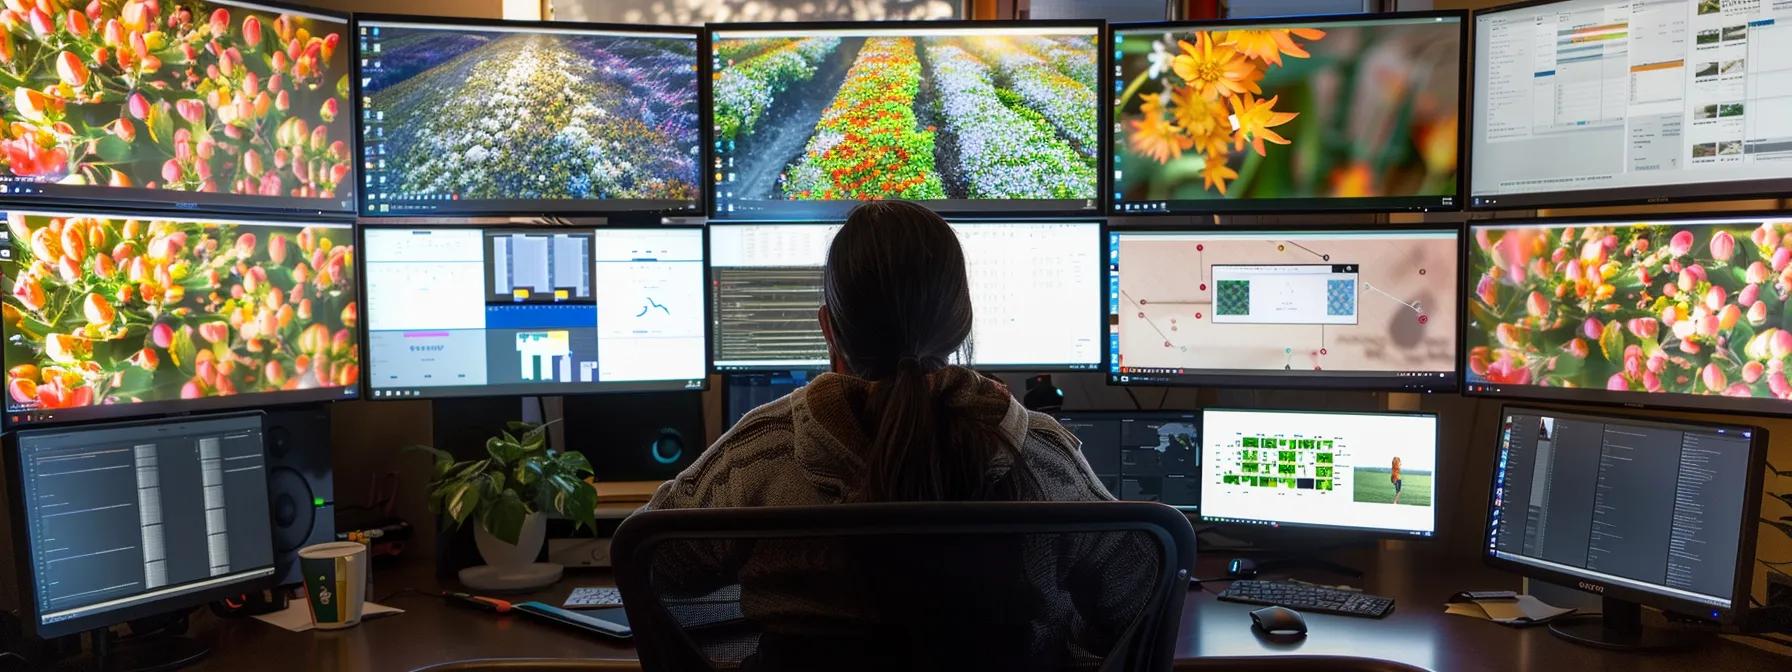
(700,11)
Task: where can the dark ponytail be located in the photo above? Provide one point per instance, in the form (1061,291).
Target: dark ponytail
(899,307)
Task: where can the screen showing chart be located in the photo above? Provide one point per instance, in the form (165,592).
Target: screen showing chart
(461,117)
(1035,293)
(1315,113)
(1652,507)
(1142,456)
(1588,101)
(1362,308)
(1671,312)
(177,103)
(476,312)
(965,118)
(1353,471)
(114,315)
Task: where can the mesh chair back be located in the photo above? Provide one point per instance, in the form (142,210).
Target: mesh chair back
(922,586)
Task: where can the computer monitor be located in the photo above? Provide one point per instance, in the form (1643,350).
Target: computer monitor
(1642,511)
(1349,112)
(119,521)
(971,118)
(743,392)
(1652,311)
(1583,102)
(469,116)
(1145,456)
(1361,308)
(122,314)
(213,104)
(464,311)
(1347,471)
(1035,291)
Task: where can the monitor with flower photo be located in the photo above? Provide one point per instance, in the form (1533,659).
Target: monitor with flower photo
(1330,113)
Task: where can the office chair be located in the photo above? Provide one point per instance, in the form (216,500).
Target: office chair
(907,586)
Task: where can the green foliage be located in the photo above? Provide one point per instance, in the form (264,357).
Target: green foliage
(520,475)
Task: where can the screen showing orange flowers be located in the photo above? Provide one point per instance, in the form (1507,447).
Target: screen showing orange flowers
(1318,114)
(1688,312)
(970,119)
(175,102)
(111,316)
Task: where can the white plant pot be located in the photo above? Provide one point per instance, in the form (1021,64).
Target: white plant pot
(509,558)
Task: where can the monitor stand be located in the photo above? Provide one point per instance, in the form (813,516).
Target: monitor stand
(1619,626)
(1293,561)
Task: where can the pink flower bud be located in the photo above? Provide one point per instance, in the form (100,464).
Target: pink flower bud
(1643,327)
(1780,258)
(1592,328)
(1781,343)
(1617,382)
(1776,382)
(138,106)
(1757,272)
(161,335)
(171,170)
(1680,244)
(1749,295)
(1652,381)
(252,32)
(1713,377)
(1757,313)
(1752,372)
(1722,245)
(220,22)
(1536,305)
(1728,317)
(1715,297)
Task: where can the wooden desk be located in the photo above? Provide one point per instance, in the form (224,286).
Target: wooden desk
(1418,633)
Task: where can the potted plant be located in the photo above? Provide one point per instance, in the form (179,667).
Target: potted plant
(510,492)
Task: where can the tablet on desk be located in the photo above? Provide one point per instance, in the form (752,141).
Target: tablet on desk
(612,623)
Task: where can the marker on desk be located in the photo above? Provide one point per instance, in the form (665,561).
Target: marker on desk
(479,602)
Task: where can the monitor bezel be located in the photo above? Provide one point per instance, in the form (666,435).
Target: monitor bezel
(1372,381)
(1053,367)
(1197,415)
(1584,198)
(668,385)
(1360,532)
(246,205)
(1103,180)
(20,419)
(1627,399)
(21,539)
(549,207)
(1223,206)
(1745,554)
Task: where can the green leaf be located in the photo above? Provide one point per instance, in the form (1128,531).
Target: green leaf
(1568,367)
(505,519)
(183,351)
(581,506)
(462,501)
(503,452)
(575,463)
(113,150)
(1611,342)
(161,127)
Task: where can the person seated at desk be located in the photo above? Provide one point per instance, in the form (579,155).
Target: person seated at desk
(893,421)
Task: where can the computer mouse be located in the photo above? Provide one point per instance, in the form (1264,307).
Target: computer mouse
(1241,568)
(1279,621)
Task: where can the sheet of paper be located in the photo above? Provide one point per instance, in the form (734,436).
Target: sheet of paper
(296,618)
(1524,609)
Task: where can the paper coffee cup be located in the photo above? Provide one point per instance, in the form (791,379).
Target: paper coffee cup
(335,582)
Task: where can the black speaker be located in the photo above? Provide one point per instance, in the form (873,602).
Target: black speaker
(648,436)
(301,498)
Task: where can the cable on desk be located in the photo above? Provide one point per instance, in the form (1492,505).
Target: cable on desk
(1776,470)
(1135,399)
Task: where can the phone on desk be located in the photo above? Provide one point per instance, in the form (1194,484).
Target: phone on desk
(612,622)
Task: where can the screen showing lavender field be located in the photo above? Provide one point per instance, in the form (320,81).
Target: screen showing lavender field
(526,120)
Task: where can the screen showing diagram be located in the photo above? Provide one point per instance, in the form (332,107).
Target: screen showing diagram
(1362,308)
(1629,100)
(468,311)
(1342,470)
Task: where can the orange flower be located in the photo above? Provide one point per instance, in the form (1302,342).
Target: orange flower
(1154,136)
(1216,172)
(1353,181)
(1254,119)
(1437,144)
(1214,71)
(1203,120)
(1269,45)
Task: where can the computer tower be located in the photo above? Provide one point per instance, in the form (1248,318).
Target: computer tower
(301,498)
(647,436)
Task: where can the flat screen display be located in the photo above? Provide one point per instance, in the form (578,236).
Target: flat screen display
(1297,114)
(1142,456)
(179,103)
(967,118)
(463,117)
(1035,294)
(1350,471)
(1614,101)
(118,315)
(469,311)
(1660,312)
(1362,308)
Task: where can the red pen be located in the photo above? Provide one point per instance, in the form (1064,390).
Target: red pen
(479,602)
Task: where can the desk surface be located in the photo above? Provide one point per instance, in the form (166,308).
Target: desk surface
(1418,633)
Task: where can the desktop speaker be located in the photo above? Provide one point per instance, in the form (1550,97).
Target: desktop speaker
(637,437)
(301,499)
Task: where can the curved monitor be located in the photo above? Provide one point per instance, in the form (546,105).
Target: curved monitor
(1684,312)
(459,311)
(1301,114)
(1367,308)
(213,104)
(112,315)
(471,117)
(1583,102)
(970,118)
